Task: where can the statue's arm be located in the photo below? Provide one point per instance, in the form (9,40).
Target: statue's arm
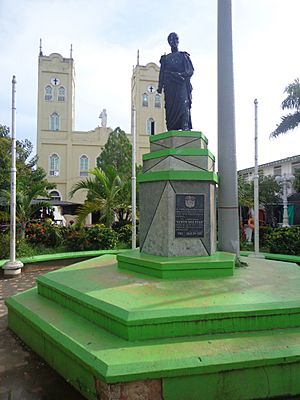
(161,74)
(188,66)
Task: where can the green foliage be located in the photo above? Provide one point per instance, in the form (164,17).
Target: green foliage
(269,191)
(245,192)
(45,234)
(24,249)
(4,246)
(96,237)
(125,234)
(284,240)
(31,180)
(103,189)
(117,153)
(291,102)
(296,183)
(101,237)
(264,231)
(24,163)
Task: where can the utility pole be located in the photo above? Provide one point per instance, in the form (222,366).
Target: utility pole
(228,218)
(13,266)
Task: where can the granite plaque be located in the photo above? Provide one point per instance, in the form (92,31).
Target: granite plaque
(189,215)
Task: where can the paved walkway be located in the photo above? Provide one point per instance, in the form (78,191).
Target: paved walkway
(23,375)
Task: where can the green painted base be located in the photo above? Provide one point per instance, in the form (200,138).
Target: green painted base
(231,338)
(218,265)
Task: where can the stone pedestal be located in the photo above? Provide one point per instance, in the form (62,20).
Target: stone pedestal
(177,196)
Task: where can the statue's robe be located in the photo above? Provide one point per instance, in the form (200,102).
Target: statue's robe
(175,73)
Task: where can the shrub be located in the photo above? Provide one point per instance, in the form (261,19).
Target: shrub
(24,249)
(46,234)
(264,231)
(100,237)
(284,240)
(95,237)
(4,246)
(125,234)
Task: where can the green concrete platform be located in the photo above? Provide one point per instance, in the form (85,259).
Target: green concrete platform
(232,338)
(217,265)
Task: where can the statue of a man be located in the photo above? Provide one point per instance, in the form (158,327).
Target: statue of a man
(174,77)
(103,117)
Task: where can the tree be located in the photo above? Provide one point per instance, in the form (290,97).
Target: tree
(245,192)
(24,164)
(117,153)
(102,197)
(269,195)
(292,102)
(296,183)
(29,187)
(31,180)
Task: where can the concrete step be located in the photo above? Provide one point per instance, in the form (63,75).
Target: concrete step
(265,295)
(249,365)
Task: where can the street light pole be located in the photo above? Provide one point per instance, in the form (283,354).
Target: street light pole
(285,181)
(13,266)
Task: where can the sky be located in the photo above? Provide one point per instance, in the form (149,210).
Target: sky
(106,36)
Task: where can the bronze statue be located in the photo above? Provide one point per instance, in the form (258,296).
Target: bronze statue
(174,77)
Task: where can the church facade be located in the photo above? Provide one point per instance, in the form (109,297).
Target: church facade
(66,154)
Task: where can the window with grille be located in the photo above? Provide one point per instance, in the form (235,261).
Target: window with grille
(54,165)
(48,93)
(84,165)
(54,122)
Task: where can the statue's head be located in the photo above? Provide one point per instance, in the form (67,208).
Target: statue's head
(173,39)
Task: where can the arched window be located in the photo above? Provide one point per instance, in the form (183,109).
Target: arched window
(48,93)
(150,126)
(55,195)
(54,122)
(157,103)
(61,94)
(83,165)
(54,165)
(144,100)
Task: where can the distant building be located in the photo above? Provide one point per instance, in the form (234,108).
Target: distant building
(67,154)
(287,166)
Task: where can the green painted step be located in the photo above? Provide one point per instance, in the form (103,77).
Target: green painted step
(265,295)
(231,366)
(219,264)
(165,135)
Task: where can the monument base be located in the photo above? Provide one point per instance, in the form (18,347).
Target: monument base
(118,335)
(218,265)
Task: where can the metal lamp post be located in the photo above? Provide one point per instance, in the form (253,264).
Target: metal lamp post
(285,181)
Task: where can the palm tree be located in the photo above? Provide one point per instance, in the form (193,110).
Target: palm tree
(292,102)
(103,195)
(25,208)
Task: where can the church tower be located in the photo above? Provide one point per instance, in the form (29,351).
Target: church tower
(56,92)
(149,105)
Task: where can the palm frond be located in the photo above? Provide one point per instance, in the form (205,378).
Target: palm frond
(288,122)
(293,99)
